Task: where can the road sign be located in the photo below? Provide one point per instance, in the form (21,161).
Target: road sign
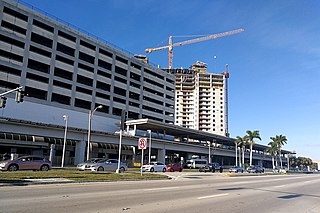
(142,143)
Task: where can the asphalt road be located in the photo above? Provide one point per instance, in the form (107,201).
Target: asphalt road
(187,192)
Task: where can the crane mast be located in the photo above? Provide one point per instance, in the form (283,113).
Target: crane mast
(205,38)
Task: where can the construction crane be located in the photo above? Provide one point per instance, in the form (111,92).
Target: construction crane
(209,37)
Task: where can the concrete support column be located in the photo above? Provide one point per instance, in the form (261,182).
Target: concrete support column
(189,155)
(79,152)
(162,155)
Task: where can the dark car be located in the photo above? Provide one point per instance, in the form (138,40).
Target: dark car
(174,167)
(26,163)
(255,169)
(211,167)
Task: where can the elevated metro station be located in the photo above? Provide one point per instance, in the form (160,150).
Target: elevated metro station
(169,143)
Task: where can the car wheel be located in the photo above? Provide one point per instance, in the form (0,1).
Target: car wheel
(242,171)
(213,170)
(237,171)
(13,168)
(121,170)
(221,170)
(171,170)
(44,168)
(180,170)
(100,168)
(152,170)
(164,170)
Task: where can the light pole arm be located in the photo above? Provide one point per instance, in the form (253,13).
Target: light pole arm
(13,90)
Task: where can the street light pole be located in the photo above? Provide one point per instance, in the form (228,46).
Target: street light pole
(89,129)
(209,152)
(149,131)
(65,117)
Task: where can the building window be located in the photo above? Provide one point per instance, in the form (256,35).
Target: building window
(82,104)
(60,99)
(63,73)
(43,25)
(88,45)
(41,40)
(66,36)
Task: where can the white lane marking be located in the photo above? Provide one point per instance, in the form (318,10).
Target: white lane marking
(211,196)
(279,186)
(164,188)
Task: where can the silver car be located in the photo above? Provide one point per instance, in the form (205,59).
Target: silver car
(82,166)
(107,165)
(236,169)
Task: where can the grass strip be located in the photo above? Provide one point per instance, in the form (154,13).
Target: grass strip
(76,175)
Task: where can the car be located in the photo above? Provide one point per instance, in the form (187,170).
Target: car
(255,169)
(154,167)
(211,167)
(174,167)
(107,165)
(276,170)
(236,169)
(29,162)
(82,166)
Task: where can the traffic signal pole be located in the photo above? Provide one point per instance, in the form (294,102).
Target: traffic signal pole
(10,91)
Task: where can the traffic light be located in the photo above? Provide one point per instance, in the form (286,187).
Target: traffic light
(19,96)
(123,119)
(3,101)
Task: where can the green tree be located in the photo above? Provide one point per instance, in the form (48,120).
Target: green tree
(280,140)
(272,150)
(251,136)
(240,142)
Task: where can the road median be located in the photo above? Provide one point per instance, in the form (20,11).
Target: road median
(71,175)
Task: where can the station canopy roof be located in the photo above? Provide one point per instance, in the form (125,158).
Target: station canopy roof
(182,132)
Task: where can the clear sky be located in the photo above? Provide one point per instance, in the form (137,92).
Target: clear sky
(274,65)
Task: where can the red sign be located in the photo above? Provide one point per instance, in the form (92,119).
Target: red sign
(142,143)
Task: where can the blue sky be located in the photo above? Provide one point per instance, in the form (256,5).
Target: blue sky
(274,65)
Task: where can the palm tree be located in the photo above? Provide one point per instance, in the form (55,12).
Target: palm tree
(243,146)
(280,140)
(238,143)
(272,150)
(252,135)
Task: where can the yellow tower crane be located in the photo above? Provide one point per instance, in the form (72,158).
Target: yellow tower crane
(209,37)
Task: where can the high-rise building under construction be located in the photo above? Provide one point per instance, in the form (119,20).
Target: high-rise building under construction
(201,100)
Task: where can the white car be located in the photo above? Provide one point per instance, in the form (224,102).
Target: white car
(154,167)
(108,165)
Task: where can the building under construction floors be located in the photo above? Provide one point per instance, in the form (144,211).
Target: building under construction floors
(201,100)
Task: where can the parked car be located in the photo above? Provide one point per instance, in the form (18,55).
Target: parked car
(26,163)
(211,167)
(174,167)
(82,166)
(236,169)
(276,170)
(255,169)
(107,165)
(154,167)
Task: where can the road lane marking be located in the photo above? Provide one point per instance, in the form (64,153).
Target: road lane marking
(279,186)
(164,188)
(211,196)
